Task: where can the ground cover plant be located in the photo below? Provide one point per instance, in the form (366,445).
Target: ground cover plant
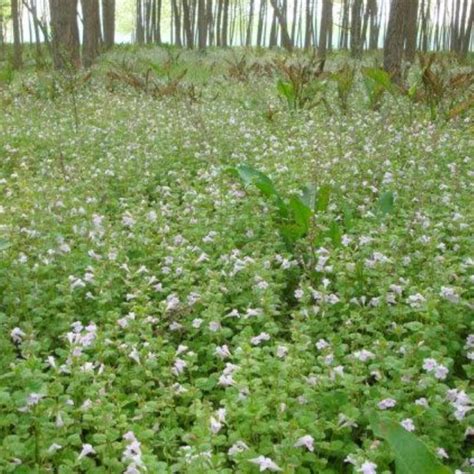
(212,263)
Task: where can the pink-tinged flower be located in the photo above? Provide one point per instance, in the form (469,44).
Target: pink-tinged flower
(307,441)
(86,450)
(387,403)
(222,352)
(265,463)
(408,424)
(368,468)
(322,344)
(179,366)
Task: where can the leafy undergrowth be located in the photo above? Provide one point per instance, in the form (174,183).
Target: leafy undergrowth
(171,301)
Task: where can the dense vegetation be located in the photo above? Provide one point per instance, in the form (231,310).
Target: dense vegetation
(234,262)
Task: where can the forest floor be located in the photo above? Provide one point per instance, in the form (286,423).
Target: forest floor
(166,307)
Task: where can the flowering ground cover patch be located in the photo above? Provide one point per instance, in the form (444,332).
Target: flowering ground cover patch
(161,314)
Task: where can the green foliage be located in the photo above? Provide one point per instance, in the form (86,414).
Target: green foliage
(345,82)
(147,293)
(377,82)
(412,456)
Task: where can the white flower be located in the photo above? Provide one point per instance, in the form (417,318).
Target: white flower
(422,402)
(322,344)
(368,468)
(237,447)
(222,351)
(442,453)
(179,366)
(216,425)
(408,424)
(449,294)
(265,463)
(263,336)
(282,351)
(86,450)
(441,372)
(363,355)
(299,293)
(17,335)
(387,403)
(306,441)
(54,447)
(430,364)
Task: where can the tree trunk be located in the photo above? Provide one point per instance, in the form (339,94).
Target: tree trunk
(281,17)
(261,17)
(326,15)
(177,23)
(248,39)
(468,32)
(374,25)
(90,41)
(187,25)
(411,30)
(108,21)
(202,24)
(225,24)
(65,33)
(356,28)
(17,49)
(393,48)
(139,31)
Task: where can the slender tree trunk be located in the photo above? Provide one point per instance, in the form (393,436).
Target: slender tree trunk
(177,23)
(324,28)
(90,41)
(466,40)
(308,25)
(202,24)
(261,17)
(393,48)
(17,48)
(108,22)
(248,38)
(139,32)
(411,30)
(281,17)
(225,24)
(2,42)
(356,25)
(65,33)
(294,21)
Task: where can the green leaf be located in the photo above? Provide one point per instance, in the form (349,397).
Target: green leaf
(322,202)
(309,196)
(386,201)
(335,234)
(250,175)
(301,213)
(286,90)
(412,456)
(4,244)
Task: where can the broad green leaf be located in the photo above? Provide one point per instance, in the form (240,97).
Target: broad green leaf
(4,244)
(412,456)
(250,175)
(309,196)
(335,234)
(386,201)
(348,216)
(287,91)
(301,213)
(323,198)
